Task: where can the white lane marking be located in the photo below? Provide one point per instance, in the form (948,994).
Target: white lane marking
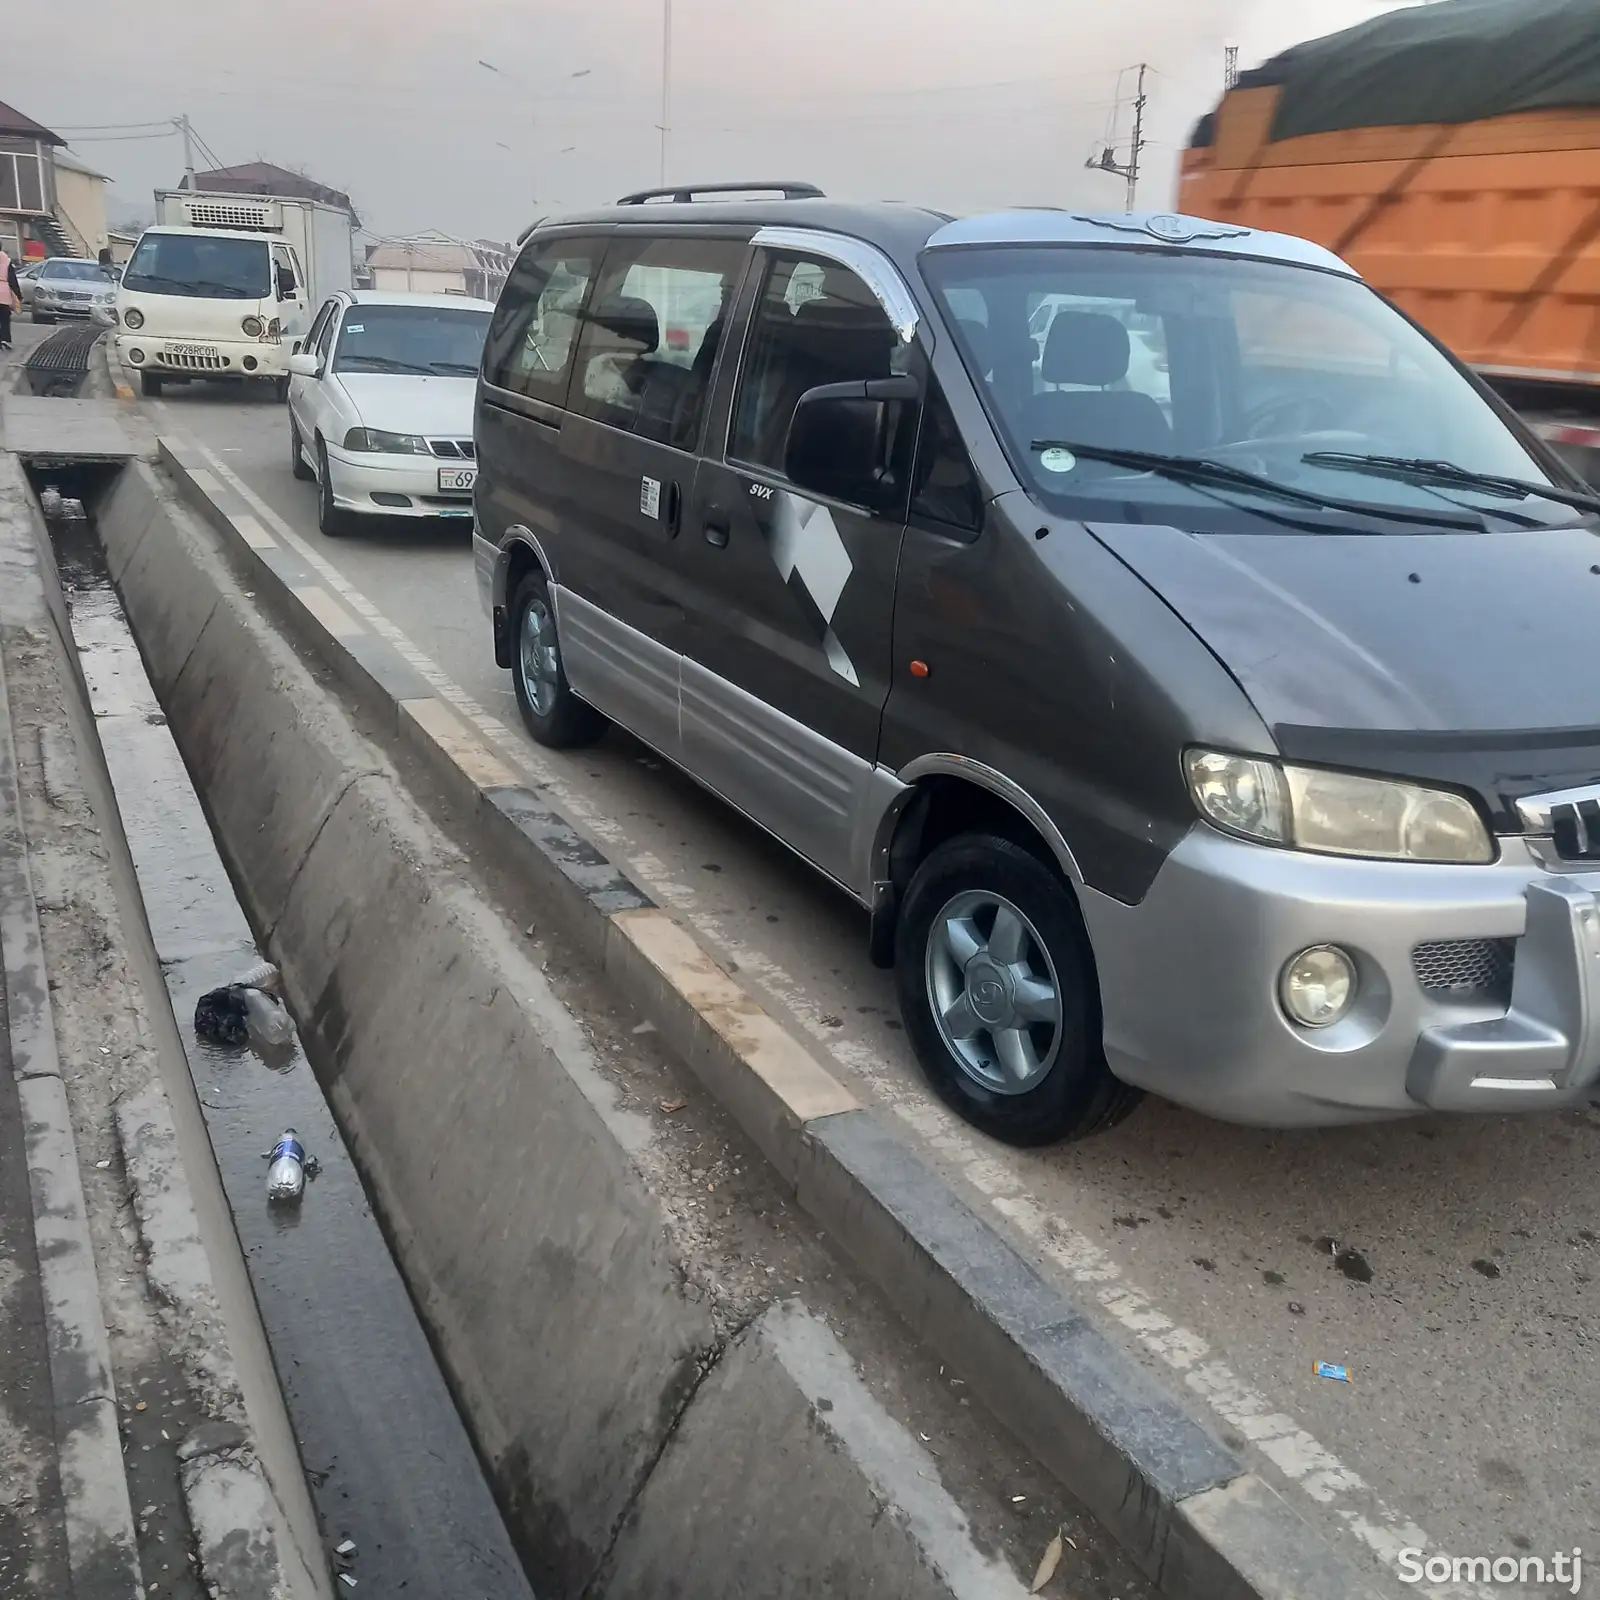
(1295,1454)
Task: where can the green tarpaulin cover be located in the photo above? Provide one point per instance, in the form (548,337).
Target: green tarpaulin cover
(1455,61)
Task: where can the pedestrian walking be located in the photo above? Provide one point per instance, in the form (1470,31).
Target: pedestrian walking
(10,296)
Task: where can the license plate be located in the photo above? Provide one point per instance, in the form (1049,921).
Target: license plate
(191,349)
(457,480)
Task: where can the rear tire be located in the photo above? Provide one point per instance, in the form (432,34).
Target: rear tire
(150,385)
(999,995)
(554,715)
(297,455)
(333,522)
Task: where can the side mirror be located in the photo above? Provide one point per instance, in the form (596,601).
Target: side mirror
(839,441)
(304,366)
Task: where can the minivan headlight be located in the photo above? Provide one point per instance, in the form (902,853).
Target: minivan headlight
(389,444)
(1335,813)
(133,317)
(252,327)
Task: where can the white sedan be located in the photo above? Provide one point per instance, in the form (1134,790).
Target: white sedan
(380,405)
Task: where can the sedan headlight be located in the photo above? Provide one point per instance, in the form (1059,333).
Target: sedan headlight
(1335,813)
(133,318)
(389,444)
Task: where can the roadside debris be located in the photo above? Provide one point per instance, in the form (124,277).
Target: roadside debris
(286,1177)
(1326,1369)
(1048,1562)
(247,1009)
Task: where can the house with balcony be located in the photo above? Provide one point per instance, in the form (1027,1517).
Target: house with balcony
(50,203)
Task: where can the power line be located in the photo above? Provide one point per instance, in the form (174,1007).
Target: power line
(113,127)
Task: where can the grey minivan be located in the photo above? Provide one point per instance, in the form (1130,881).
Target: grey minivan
(1200,694)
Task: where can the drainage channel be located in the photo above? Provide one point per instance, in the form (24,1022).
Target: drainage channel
(388,1459)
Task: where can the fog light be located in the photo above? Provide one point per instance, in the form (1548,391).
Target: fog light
(1318,986)
(136,357)
(133,317)
(249,363)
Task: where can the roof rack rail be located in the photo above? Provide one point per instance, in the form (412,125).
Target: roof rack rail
(684,193)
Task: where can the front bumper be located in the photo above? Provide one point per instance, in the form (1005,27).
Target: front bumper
(85,309)
(1189,984)
(224,358)
(394,486)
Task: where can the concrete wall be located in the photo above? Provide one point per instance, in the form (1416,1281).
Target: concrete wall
(639,1443)
(418,280)
(81,208)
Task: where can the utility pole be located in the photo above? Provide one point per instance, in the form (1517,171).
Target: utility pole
(1230,66)
(188,151)
(666,84)
(1107,161)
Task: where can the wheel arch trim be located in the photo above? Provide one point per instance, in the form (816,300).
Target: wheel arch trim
(980,776)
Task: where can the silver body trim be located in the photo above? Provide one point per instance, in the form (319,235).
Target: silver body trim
(802,788)
(868,263)
(620,671)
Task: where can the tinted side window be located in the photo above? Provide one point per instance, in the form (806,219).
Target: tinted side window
(946,486)
(535,326)
(651,335)
(816,323)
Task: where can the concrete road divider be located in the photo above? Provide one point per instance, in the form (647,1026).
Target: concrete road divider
(323,845)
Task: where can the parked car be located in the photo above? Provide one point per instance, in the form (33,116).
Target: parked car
(380,405)
(1240,748)
(27,273)
(66,287)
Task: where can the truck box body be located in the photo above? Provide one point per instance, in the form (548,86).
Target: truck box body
(1474,203)
(319,234)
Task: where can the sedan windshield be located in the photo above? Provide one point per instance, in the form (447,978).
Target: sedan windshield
(1281,394)
(201,268)
(423,340)
(77,271)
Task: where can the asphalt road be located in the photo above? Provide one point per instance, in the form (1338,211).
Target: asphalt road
(1453,1266)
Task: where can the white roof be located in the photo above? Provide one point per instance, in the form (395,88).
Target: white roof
(215,233)
(385,297)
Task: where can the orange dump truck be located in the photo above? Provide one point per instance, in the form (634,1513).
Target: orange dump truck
(1451,154)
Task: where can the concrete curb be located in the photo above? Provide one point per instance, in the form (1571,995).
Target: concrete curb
(1183,1505)
(102,1551)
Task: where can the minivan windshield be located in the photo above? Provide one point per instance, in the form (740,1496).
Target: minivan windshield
(425,340)
(1198,385)
(201,268)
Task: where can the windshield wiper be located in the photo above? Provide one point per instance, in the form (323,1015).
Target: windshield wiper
(468,367)
(1220,475)
(1409,469)
(384,364)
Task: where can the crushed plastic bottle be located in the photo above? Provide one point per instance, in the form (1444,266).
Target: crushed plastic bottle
(265,1017)
(286,1177)
(50,502)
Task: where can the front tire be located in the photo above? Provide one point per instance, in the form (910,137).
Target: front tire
(999,995)
(150,385)
(554,715)
(297,455)
(280,391)
(333,522)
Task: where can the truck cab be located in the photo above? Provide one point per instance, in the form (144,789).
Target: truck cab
(210,303)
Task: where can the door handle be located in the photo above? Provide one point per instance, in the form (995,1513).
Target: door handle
(717,534)
(672,511)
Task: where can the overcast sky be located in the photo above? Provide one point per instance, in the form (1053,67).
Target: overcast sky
(961,107)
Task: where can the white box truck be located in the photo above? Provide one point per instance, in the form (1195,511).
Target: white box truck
(224,285)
